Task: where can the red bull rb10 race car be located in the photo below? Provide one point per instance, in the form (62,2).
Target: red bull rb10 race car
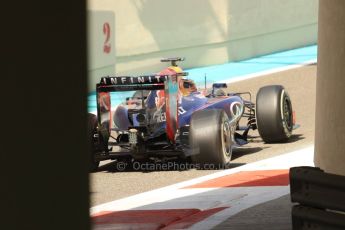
(167,117)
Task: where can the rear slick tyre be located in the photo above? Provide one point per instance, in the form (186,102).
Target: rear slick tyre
(92,130)
(211,139)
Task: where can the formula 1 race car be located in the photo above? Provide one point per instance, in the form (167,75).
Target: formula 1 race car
(166,116)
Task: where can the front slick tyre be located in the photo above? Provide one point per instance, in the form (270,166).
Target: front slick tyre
(274,114)
(210,139)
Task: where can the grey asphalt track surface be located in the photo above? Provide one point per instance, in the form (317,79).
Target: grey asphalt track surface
(109,183)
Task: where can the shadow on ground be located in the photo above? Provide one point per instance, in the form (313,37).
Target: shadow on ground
(239,152)
(186,164)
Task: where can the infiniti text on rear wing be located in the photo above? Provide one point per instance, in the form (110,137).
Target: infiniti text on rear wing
(131,83)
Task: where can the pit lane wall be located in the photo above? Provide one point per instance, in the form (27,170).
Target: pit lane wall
(206,32)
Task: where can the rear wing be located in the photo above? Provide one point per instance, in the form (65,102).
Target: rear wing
(168,83)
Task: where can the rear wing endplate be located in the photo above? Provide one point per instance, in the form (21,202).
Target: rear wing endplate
(171,110)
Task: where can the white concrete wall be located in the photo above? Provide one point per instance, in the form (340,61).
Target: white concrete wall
(101,45)
(205,31)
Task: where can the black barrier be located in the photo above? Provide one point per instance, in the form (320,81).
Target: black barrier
(321,198)
(311,218)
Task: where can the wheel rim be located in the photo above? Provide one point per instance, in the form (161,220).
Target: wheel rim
(287,113)
(226,138)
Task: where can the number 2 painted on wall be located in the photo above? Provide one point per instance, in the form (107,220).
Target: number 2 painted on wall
(106,32)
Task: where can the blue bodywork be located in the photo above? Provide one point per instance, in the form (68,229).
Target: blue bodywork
(187,105)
